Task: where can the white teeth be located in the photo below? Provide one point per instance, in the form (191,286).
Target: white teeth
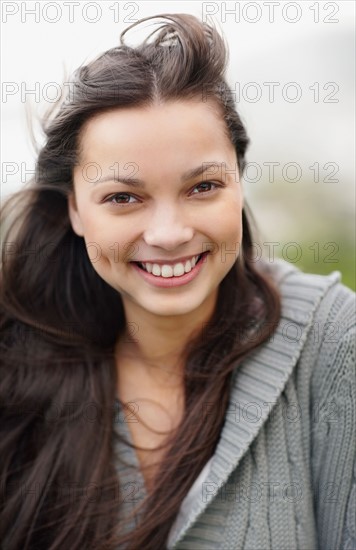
(167,271)
(156,270)
(178,270)
(188,266)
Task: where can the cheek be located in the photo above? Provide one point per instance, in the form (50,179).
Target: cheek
(228,232)
(230,244)
(105,255)
(229,219)
(114,246)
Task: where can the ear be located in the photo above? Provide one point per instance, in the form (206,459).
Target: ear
(74,215)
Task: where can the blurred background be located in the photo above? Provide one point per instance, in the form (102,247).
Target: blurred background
(292,70)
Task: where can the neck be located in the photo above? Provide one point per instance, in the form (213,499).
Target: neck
(154,345)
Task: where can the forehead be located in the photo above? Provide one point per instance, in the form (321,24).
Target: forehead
(185,127)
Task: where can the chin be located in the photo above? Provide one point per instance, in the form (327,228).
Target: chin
(167,308)
(170,311)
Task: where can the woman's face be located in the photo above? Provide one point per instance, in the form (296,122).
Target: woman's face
(137,199)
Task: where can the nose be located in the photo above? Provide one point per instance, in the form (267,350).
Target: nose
(168,228)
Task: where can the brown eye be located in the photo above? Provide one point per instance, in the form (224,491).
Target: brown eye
(205,186)
(122,198)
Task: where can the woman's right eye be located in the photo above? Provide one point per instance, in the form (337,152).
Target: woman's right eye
(123,198)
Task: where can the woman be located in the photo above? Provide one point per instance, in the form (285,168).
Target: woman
(160,387)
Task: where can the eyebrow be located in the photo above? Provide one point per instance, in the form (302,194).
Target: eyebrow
(138,183)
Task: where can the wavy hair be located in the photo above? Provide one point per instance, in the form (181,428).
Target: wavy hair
(58,336)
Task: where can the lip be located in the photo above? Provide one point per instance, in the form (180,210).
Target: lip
(171,282)
(169,262)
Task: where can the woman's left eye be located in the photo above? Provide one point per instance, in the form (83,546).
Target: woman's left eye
(205,186)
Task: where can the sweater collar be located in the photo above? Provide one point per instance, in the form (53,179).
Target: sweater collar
(259,381)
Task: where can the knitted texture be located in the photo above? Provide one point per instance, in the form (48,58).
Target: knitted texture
(283,473)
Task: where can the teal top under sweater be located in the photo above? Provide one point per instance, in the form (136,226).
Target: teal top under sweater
(283,475)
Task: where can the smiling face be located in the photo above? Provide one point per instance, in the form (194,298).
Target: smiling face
(157,205)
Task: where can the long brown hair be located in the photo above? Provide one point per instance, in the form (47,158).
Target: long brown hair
(59,335)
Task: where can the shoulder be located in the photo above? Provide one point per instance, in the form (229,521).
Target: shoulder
(327,367)
(326,312)
(323,297)
(326,382)
(327,305)
(318,319)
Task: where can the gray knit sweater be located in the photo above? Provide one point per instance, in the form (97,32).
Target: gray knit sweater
(283,475)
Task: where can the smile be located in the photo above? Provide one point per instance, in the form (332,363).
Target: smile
(171,275)
(170,270)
